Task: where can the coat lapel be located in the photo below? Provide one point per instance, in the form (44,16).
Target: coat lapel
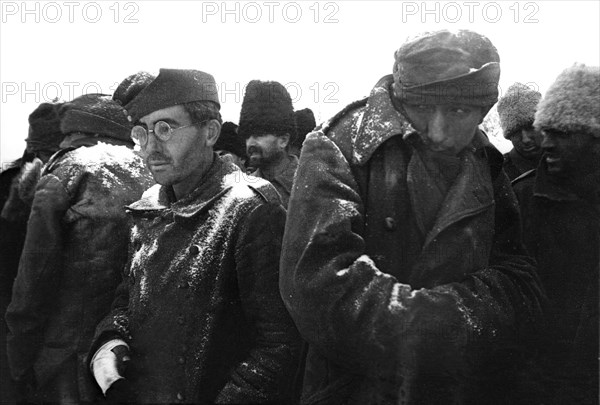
(380,122)
(217,181)
(471,193)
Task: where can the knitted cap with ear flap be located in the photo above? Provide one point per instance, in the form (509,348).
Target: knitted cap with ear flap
(445,66)
(44,128)
(95,114)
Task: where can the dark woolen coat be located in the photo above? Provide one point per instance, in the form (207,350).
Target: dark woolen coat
(74,253)
(515,164)
(562,230)
(393,315)
(200,305)
(283,179)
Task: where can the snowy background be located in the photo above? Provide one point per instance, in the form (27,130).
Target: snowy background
(327,53)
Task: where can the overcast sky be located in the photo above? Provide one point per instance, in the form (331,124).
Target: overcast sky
(327,53)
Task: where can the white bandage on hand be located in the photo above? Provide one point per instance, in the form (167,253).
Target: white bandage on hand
(104,364)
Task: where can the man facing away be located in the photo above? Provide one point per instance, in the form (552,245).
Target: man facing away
(199,312)
(401,263)
(516,110)
(560,207)
(74,251)
(267,123)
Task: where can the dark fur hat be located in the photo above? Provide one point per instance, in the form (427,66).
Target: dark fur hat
(266,109)
(95,114)
(571,103)
(516,108)
(230,141)
(305,123)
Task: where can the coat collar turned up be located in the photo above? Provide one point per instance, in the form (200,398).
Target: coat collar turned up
(220,178)
(380,120)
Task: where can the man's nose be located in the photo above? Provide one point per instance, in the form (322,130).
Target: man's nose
(547,142)
(436,128)
(152,145)
(526,136)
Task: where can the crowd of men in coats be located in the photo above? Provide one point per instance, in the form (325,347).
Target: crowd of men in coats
(153,254)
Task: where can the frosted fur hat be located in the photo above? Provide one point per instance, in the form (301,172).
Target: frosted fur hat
(572,102)
(267,109)
(517,108)
(447,67)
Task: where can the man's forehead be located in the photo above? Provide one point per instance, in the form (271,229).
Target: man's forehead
(443,105)
(175,113)
(264,136)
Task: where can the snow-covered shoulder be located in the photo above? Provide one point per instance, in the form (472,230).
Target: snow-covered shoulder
(246,185)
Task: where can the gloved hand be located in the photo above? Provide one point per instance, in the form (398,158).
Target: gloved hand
(119,393)
(109,363)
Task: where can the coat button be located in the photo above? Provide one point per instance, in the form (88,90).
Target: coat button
(390,224)
(179,396)
(194,249)
(181,360)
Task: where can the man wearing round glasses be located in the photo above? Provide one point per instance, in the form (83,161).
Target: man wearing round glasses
(198,317)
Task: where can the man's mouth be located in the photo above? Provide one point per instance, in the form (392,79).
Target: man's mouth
(552,159)
(157,164)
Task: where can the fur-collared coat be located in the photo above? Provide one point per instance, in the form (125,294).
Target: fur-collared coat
(200,304)
(392,314)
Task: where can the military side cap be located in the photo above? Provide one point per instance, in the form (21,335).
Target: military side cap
(173,87)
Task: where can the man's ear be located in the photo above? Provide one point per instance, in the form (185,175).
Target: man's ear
(214,130)
(284,140)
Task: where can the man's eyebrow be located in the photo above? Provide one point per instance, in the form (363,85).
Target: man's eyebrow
(168,121)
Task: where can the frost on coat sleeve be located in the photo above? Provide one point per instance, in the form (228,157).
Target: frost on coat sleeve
(265,376)
(38,274)
(365,320)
